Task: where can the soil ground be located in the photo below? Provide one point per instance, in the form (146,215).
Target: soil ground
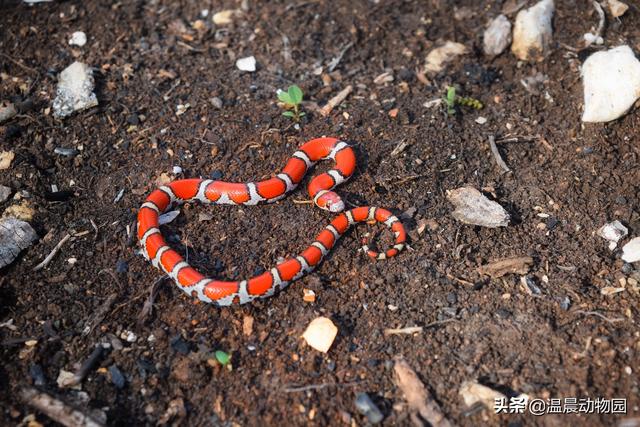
(149,58)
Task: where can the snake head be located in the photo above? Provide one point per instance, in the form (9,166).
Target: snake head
(329,201)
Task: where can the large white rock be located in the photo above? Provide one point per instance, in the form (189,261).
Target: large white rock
(440,56)
(15,236)
(497,36)
(631,251)
(532,31)
(246,64)
(611,84)
(75,90)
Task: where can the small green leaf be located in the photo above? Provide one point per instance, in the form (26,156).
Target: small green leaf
(285,97)
(302,114)
(222,357)
(295,94)
(289,114)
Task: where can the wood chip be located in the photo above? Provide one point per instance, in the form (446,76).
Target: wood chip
(418,397)
(58,410)
(407,330)
(515,265)
(336,100)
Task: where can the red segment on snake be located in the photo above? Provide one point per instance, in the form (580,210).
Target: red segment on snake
(264,285)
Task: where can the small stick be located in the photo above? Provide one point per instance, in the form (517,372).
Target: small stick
(100,314)
(595,313)
(86,366)
(336,100)
(496,154)
(407,330)
(57,410)
(302,202)
(335,61)
(53,253)
(317,387)
(418,397)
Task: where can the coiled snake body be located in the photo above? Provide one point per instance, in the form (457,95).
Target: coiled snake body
(264,285)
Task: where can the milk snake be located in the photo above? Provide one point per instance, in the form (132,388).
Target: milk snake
(208,191)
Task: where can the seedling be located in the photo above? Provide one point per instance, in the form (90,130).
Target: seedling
(224,359)
(451,100)
(292,99)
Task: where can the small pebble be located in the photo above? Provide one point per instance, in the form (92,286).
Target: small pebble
(79,38)
(246,64)
(177,170)
(565,303)
(366,407)
(216,102)
(452,298)
(180,345)
(129,336)
(37,374)
(5,192)
(116,376)
(121,266)
(67,152)
(216,175)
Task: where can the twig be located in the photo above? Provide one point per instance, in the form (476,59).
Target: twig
(439,322)
(147,307)
(496,154)
(335,61)
(595,313)
(317,387)
(459,280)
(302,202)
(336,100)
(407,330)
(53,253)
(99,314)
(33,70)
(421,402)
(86,367)
(57,410)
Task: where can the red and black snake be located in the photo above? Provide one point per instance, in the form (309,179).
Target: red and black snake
(208,191)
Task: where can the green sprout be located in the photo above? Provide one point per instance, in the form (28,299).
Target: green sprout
(451,100)
(223,358)
(292,99)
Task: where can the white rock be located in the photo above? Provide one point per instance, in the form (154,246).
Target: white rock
(532,31)
(481,120)
(15,236)
(75,90)
(611,84)
(246,64)
(67,379)
(129,336)
(497,36)
(5,192)
(472,393)
(320,334)
(617,8)
(590,38)
(6,157)
(440,56)
(226,17)
(613,232)
(168,217)
(472,207)
(177,170)
(631,251)
(79,38)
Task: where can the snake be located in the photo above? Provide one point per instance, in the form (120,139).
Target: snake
(207,191)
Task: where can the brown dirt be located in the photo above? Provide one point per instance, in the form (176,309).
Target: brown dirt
(501,336)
